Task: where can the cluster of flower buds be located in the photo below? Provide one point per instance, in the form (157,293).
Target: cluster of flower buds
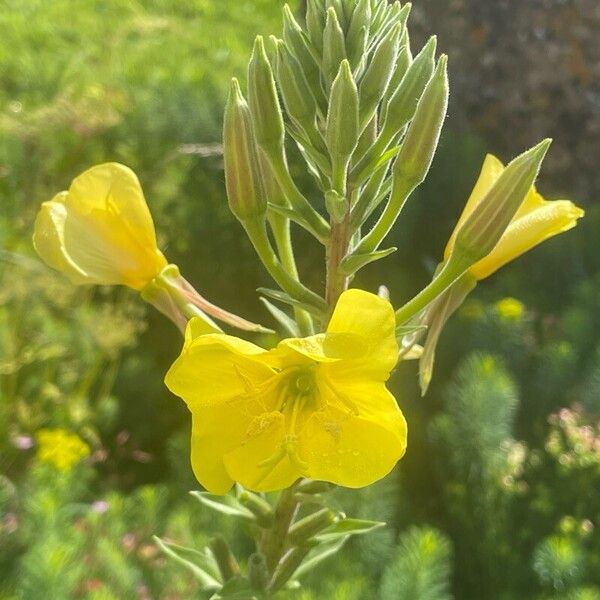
(344,91)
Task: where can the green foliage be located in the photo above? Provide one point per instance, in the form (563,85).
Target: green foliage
(420,568)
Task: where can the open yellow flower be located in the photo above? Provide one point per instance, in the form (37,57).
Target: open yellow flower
(535,221)
(61,448)
(311,407)
(100,231)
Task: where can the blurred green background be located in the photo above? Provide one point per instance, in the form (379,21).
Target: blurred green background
(499,493)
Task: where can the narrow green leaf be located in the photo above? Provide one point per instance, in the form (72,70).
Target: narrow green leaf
(354,262)
(319,554)
(348,527)
(287,299)
(287,323)
(207,581)
(227,505)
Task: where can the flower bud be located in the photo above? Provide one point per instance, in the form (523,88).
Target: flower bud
(420,144)
(334,47)
(340,11)
(378,74)
(305,528)
(258,506)
(485,225)
(287,566)
(315,22)
(298,45)
(240,153)
(403,63)
(403,103)
(358,31)
(341,130)
(297,95)
(266,114)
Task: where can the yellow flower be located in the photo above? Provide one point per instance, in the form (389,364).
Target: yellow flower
(535,221)
(311,407)
(100,231)
(510,309)
(60,448)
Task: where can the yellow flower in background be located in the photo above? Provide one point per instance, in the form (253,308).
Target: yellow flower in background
(60,448)
(100,231)
(311,407)
(535,221)
(510,309)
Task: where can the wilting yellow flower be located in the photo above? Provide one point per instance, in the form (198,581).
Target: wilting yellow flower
(535,221)
(314,407)
(60,448)
(100,231)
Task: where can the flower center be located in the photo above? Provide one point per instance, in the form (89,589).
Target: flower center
(297,399)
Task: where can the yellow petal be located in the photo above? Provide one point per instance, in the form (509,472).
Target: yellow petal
(362,332)
(215,368)
(260,463)
(490,172)
(215,431)
(100,231)
(526,232)
(347,450)
(298,351)
(370,400)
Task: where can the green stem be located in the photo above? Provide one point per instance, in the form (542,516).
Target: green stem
(257,233)
(274,541)
(401,190)
(280,226)
(451,271)
(314,222)
(337,249)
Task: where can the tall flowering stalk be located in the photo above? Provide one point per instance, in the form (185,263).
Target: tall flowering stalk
(344,89)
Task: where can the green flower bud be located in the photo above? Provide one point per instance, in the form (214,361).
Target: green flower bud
(258,506)
(403,103)
(287,566)
(258,572)
(264,102)
(340,11)
(358,31)
(298,44)
(241,159)
(403,63)
(305,528)
(297,95)
(315,22)
(378,74)
(357,55)
(334,47)
(341,130)
(400,108)
(420,144)
(484,227)
(226,561)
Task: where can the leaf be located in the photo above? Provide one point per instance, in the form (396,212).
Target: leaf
(287,299)
(354,262)
(319,554)
(386,157)
(287,323)
(227,505)
(348,527)
(206,579)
